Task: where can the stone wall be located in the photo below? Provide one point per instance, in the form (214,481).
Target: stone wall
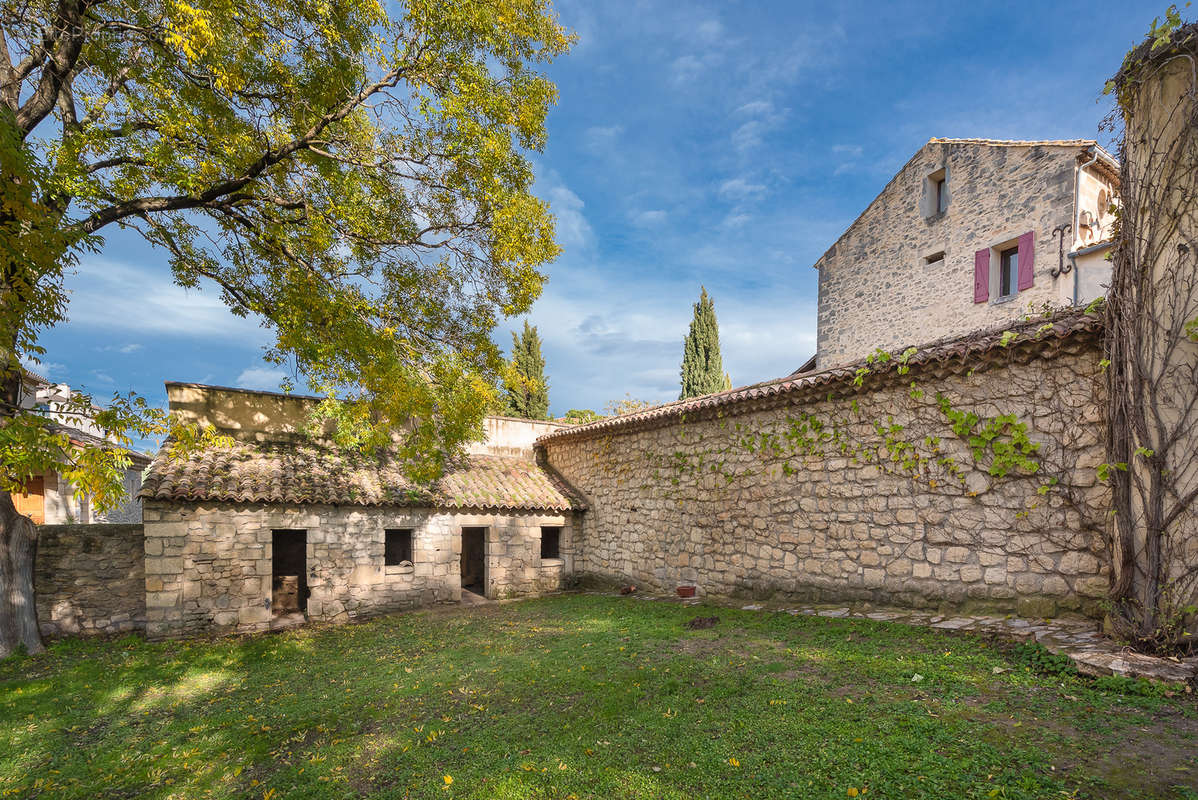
(90,579)
(209,566)
(880,284)
(722,496)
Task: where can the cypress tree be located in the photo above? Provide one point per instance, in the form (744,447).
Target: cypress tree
(525,388)
(702,366)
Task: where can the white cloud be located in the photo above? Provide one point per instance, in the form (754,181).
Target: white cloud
(708,31)
(115,296)
(266,378)
(736,220)
(748,136)
(686,69)
(130,348)
(854,150)
(739,189)
(632,341)
(47,369)
(756,107)
(648,219)
(574,233)
(600,139)
(102,377)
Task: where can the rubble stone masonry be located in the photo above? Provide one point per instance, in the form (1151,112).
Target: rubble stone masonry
(723,498)
(209,565)
(903,273)
(90,579)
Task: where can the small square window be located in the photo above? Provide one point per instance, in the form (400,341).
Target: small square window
(934,258)
(397,547)
(1008,272)
(551,542)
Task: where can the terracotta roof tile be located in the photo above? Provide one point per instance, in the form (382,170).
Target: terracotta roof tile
(305,472)
(953,355)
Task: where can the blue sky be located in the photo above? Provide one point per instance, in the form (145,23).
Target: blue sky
(720,144)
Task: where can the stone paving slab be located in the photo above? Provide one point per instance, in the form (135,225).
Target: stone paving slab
(1079,639)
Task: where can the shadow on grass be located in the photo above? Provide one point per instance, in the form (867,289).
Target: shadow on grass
(583,696)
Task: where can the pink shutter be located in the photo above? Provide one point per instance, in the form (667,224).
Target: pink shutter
(1027,260)
(981,276)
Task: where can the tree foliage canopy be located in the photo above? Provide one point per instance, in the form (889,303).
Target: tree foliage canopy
(525,387)
(357,180)
(702,365)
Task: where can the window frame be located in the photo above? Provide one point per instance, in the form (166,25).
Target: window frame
(407,543)
(1008,267)
(556,553)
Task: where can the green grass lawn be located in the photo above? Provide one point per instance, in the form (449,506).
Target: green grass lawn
(582,696)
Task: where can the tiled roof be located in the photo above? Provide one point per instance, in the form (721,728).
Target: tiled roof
(1017,142)
(944,356)
(85,439)
(305,472)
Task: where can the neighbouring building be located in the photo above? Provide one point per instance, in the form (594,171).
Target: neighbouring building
(48,499)
(969,235)
(281,527)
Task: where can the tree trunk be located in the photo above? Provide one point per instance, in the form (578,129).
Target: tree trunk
(18,606)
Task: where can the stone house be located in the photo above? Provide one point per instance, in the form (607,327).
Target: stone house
(49,499)
(280,528)
(967,236)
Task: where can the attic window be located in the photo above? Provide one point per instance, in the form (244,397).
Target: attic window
(551,543)
(397,547)
(934,258)
(935,193)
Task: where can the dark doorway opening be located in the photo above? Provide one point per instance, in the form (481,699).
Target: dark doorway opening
(289,572)
(474,560)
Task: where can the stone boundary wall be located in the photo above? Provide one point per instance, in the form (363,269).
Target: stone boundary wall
(90,579)
(718,493)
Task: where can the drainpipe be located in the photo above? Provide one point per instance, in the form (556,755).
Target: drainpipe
(1077,214)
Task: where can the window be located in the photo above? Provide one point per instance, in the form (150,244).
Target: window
(551,542)
(935,193)
(936,259)
(1008,272)
(397,547)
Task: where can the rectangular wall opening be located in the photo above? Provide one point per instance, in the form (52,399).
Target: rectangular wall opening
(397,547)
(474,560)
(289,572)
(551,542)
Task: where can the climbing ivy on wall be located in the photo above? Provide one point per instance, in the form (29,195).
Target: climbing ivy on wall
(943,446)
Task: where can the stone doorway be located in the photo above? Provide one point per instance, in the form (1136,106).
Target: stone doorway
(474,560)
(289,574)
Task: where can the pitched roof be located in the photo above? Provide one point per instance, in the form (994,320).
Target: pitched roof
(944,356)
(301,472)
(85,439)
(1017,142)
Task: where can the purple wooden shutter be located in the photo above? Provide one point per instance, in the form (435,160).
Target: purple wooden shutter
(981,276)
(1027,260)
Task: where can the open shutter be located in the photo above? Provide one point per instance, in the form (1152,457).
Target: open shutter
(1027,260)
(981,276)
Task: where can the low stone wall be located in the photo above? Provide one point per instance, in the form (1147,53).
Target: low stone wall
(837,491)
(209,566)
(90,579)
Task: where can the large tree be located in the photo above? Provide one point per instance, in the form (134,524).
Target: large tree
(702,365)
(525,387)
(354,178)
